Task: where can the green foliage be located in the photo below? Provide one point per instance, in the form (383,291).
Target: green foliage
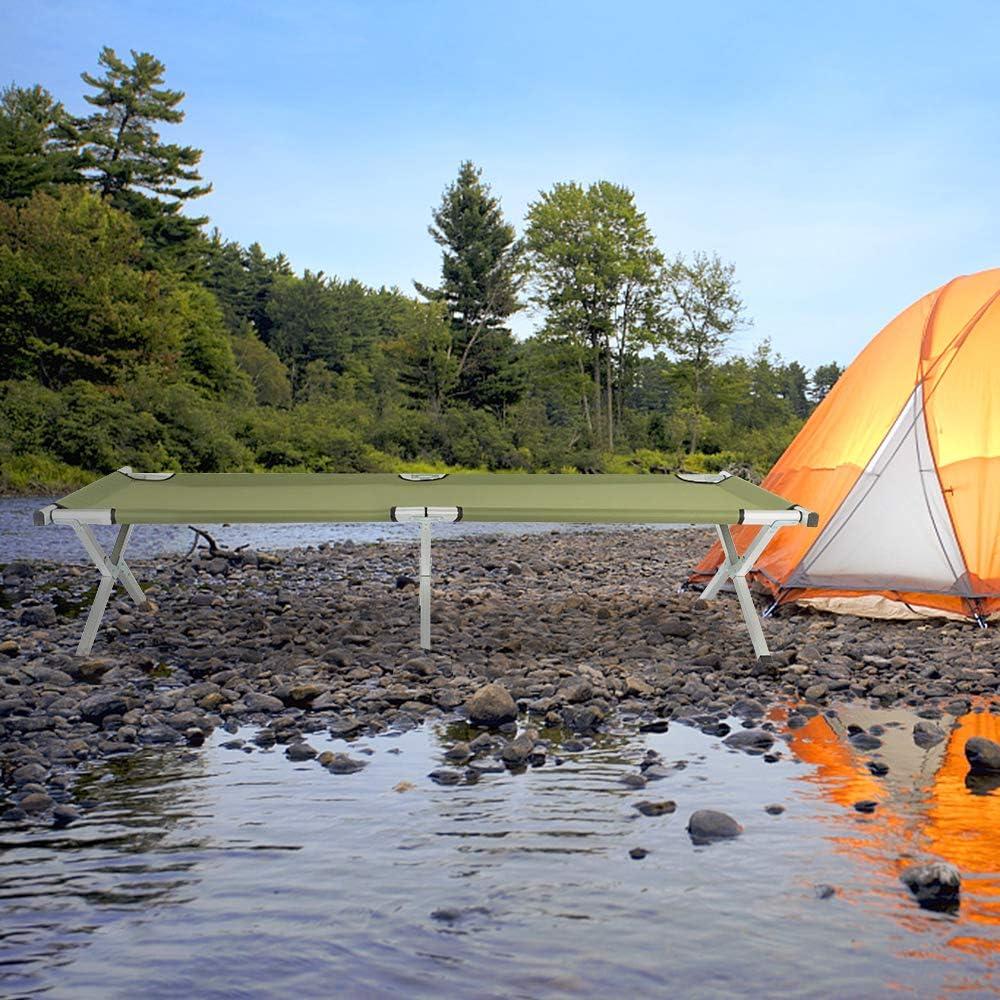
(74,302)
(36,143)
(480,280)
(595,271)
(824,378)
(128,336)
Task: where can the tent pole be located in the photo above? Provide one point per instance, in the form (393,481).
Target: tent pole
(425,583)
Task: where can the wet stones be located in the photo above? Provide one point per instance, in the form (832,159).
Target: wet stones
(935,885)
(300,751)
(708,825)
(983,755)
(492,705)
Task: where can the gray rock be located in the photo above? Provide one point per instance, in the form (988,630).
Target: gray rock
(41,615)
(445,776)
(865,741)
(36,802)
(159,733)
(750,739)
(491,705)
(341,763)
(656,808)
(63,815)
(927,734)
(936,885)
(706,825)
(865,806)
(300,751)
(28,773)
(638,853)
(816,692)
(459,752)
(824,891)
(518,750)
(97,706)
(256,702)
(774,809)
(982,754)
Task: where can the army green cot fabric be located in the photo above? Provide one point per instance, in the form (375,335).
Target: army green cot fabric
(213,498)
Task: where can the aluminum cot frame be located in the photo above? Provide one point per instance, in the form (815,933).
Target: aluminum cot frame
(734,567)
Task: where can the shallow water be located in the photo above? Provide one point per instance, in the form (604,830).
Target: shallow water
(218,873)
(20,538)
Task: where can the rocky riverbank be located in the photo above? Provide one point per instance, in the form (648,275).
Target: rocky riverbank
(569,631)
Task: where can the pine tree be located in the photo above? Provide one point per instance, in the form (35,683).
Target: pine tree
(122,146)
(37,143)
(127,161)
(479,288)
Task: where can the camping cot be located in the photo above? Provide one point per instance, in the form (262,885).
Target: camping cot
(128,498)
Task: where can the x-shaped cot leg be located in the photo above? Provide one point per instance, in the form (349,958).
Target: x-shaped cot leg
(113,570)
(735,567)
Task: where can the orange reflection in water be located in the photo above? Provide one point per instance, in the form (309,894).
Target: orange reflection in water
(928,805)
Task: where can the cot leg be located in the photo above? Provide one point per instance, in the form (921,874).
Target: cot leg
(113,570)
(425,583)
(735,568)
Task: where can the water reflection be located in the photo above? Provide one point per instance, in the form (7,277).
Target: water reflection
(223,873)
(929,804)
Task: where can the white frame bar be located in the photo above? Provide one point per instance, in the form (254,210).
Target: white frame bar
(735,567)
(113,570)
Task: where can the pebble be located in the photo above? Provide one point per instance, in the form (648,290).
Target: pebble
(865,806)
(927,734)
(300,751)
(656,808)
(774,809)
(638,853)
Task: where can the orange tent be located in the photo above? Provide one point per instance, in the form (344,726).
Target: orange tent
(902,463)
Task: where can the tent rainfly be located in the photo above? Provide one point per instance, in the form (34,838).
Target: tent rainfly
(901,461)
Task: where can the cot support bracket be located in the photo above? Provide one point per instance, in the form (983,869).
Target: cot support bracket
(425,517)
(113,570)
(735,567)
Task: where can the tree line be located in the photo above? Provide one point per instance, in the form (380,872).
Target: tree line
(131,333)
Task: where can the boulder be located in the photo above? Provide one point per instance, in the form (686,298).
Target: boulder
(983,755)
(706,825)
(256,702)
(491,705)
(936,885)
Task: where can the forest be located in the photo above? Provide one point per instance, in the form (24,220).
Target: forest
(133,333)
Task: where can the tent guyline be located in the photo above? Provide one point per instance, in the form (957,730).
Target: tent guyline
(127,498)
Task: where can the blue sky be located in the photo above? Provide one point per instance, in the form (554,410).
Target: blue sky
(844,156)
